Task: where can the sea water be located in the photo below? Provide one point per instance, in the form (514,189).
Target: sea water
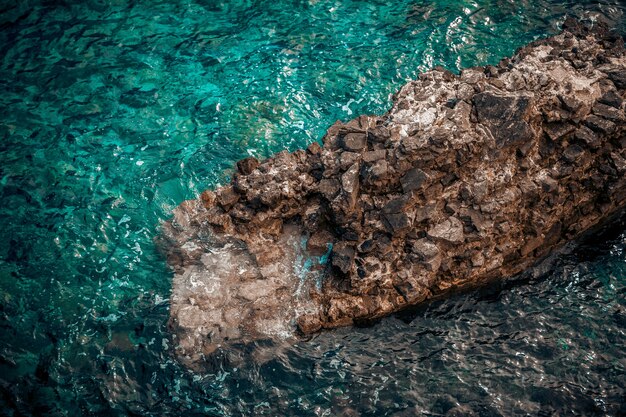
(113,112)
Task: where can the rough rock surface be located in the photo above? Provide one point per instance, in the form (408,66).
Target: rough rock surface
(467,178)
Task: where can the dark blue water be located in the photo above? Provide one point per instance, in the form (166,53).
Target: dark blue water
(113,112)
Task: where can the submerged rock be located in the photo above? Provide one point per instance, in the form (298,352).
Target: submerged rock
(467,178)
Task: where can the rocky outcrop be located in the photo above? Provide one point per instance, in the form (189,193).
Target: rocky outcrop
(467,178)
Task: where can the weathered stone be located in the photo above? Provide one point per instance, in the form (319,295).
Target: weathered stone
(599,124)
(227,197)
(348,158)
(396,223)
(558,129)
(246,166)
(329,188)
(588,137)
(396,205)
(208,198)
(413,180)
(379,170)
(572,153)
(425,249)
(314,148)
(619,162)
(309,323)
(570,103)
(611,98)
(354,142)
(350,186)
(343,256)
(428,254)
(618,76)
(319,242)
(366,246)
(373,156)
(608,112)
(450,230)
(504,117)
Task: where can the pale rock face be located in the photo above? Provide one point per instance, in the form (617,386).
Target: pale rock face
(450,230)
(467,178)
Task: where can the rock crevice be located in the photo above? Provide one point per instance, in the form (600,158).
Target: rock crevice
(467,178)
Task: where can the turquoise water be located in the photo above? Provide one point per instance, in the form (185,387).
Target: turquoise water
(114,112)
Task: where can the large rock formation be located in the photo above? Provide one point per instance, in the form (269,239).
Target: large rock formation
(467,178)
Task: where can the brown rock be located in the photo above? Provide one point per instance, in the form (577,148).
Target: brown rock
(450,230)
(413,180)
(319,242)
(227,197)
(246,166)
(343,256)
(354,142)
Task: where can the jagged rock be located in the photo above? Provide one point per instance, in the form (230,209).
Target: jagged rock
(343,256)
(504,117)
(246,166)
(588,137)
(396,223)
(413,180)
(319,242)
(354,142)
(599,124)
(227,197)
(450,230)
(611,98)
(467,178)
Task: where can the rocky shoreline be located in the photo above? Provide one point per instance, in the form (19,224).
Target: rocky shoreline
(468,178)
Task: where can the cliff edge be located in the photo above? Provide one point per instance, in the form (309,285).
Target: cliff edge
(467,178)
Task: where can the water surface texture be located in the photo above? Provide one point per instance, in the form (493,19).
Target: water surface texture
(113,112)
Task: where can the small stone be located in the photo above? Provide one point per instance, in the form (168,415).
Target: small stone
(425,249)
(608,112)
(227,197)
(425,213)
(557,130)
(329,188)
(309,323)
(611,98)
(373,156)
(413,180)
(314,148)
(343,256)
(347,159)
(450,230)
(366,246)
(588,137)
(599,124)
(504,116)
(208,198)
(396,223)
(354,142)
(246,166)
(618,76)
(379,170)
(396,205)
(619,162)
(570,103)
(548,184)
(319,242)
(428,253)
(350,187)
(572,153)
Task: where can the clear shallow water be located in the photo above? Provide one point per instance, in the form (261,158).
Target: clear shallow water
(112,113)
